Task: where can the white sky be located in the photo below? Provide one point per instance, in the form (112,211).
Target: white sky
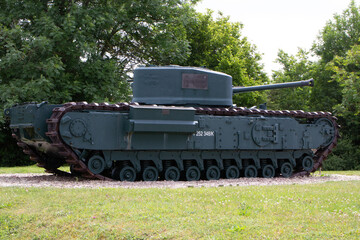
(278,24)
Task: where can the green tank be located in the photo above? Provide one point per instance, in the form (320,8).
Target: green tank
(180,125)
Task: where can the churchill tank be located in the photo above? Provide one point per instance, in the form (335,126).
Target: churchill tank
(181,125)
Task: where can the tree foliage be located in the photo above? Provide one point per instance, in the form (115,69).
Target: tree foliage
(347,74)
(337,83)
(335,39)
(295,68)
(339,34)
(219,45)
(346,156)
(81,50)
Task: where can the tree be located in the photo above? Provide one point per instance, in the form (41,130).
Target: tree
(338,48)
(335,39)
(336,89)
(339,34)
(347,74)
(82,50)
(295,68)
(219,45)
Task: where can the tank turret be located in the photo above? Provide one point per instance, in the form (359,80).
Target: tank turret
(191,86)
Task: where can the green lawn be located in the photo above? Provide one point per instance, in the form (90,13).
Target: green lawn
(357,173)
(315,211)
(27,169)
(35,169)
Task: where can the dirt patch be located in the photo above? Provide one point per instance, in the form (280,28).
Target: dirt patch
(49,180)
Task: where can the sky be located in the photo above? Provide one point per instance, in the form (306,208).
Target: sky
(278,24)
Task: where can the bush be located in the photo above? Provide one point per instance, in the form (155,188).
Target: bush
(346,156)
(10,154)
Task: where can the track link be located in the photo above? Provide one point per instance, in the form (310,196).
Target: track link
(80,167)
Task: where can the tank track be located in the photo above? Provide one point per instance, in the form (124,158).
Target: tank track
(40,161)
(80,167)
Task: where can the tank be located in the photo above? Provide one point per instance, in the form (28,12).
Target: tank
(180,125)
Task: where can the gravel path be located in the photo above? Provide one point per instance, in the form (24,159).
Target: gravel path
(49,180)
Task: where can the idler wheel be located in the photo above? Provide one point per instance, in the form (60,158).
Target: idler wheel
(268,171)
(286,170)
(250,171)
(192,174)
(128,174)
(150,174)
(212,173)
(308,163)
(96,164)
(232,172)
(172,174)
(327,131)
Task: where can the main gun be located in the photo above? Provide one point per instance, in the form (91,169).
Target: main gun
(309,82)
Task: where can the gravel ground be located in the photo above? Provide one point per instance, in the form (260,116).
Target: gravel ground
(49,180)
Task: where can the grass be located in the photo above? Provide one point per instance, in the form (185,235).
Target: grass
(27,169)
(35,169)
(349,173)
(316,211)
(328,210)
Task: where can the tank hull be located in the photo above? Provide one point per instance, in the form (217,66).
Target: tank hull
(166,128)
(103,141)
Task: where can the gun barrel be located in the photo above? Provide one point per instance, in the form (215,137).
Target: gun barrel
(309,82)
